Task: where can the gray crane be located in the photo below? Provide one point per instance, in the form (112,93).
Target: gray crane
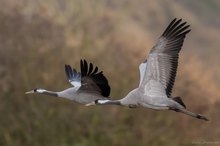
(157,75)
(89,85)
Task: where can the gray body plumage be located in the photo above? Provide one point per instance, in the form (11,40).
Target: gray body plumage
(157,75)
(79,97)
(88,85)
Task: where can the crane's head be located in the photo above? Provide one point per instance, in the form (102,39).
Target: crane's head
(36,90)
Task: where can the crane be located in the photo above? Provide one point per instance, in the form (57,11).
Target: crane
(157,75)
(88,85)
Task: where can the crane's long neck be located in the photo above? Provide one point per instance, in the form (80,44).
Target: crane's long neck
(50,93)
(131,100)
(69,93)
(46,92)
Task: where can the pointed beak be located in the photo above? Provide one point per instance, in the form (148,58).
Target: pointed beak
(29,92)
(91,103)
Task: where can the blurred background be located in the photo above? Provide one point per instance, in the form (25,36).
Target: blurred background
(37,37)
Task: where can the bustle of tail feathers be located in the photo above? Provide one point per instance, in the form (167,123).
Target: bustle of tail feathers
(179,100)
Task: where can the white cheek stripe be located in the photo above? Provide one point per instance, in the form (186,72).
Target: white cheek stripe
(103,101)
(41,90)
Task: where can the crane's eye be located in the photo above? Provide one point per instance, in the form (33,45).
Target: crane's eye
(35,90)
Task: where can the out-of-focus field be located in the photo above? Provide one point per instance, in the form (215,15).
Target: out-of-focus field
(38,37)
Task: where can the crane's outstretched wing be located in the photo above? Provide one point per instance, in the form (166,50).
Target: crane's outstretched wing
(73,76)
(163,59)
(93,81)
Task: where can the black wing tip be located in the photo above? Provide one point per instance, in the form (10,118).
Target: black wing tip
(68,71)
(177,27)
(66,66)
(88,69)
(177,20)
